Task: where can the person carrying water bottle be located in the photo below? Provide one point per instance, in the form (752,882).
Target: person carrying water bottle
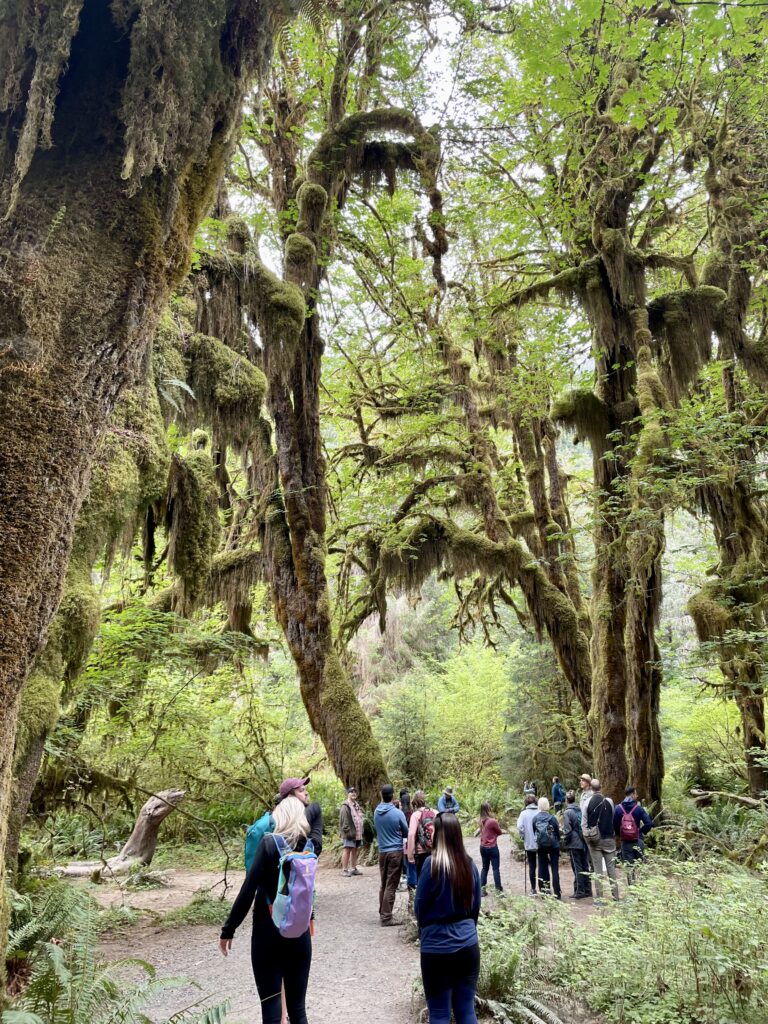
(275,958)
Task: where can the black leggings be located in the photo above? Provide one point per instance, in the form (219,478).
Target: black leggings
(277,961)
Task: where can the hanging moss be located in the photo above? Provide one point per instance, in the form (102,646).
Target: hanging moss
(312,200)
(190,64)
(582,412)
(77,620)
(300,257)
(233,575)
(717,269)
(193,525)
(280,311)
(229,389)
(710,616)
(168,364)
(34,51)
(180,77)
(685,321)
(113,497)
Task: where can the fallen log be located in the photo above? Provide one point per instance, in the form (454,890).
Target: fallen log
(141,846)
(704,798)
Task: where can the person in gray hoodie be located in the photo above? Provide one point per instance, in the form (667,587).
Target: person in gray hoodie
(527,834)
(391,829)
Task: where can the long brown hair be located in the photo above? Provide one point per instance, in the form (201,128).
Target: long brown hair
(450,859)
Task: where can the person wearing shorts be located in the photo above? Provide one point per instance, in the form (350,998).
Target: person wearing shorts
(351,831)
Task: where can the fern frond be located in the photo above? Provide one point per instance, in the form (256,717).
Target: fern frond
(540,1010)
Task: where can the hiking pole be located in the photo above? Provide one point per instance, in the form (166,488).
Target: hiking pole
(525,872)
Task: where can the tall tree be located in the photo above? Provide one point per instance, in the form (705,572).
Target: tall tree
(115,124)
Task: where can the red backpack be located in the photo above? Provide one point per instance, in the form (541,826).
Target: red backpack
(425,830)
(628,829)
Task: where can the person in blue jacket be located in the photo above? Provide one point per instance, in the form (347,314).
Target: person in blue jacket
(447,907)
(391,829)
(447,801)
(558,795)
(631,823)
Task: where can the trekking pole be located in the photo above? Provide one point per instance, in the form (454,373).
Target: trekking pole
(525,872)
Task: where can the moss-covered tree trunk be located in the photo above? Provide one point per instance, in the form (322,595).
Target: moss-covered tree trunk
(104,175)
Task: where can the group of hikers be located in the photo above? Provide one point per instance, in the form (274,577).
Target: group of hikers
(445,886)
(588,832)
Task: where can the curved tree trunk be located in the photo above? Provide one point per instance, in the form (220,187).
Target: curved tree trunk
(21,794)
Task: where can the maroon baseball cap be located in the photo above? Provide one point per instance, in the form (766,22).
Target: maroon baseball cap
(287,786)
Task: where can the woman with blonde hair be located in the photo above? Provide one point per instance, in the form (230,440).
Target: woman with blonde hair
(447,907)
(276,960)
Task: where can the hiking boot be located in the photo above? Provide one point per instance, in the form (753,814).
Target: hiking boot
(483,892)
(500,894)
(346,872)
(355,872)
(391,923)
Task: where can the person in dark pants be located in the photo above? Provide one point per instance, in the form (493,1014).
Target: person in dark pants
(490,830)
(276,960)
(573,841)
(631,823)
(447,907)
(525,828)
(391,830)
(419,828)
(546,828)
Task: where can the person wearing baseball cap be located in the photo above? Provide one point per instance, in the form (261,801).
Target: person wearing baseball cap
(298,787)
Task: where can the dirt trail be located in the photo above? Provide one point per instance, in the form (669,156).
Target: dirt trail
(360,971)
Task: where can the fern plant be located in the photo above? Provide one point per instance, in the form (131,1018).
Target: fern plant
(521,1009)
(67,983)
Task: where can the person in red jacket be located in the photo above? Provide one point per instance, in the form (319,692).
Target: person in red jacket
(490,830)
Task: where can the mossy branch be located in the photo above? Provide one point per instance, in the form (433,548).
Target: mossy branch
(585,414)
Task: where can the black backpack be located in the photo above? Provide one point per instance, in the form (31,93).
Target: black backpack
(544,831)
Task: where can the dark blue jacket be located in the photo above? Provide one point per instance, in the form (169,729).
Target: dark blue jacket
(558,793)
(639,813)
(444,927)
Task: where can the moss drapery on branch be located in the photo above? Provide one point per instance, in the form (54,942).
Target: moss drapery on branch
(229,389)
(190,61)
(432,544)
(192,523)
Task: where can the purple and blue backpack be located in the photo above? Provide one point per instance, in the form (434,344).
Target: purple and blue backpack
(294,899)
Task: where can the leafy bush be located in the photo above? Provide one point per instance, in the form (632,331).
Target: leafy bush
(72,834)
(735,832)
(686,946)
(696,941)
(513,985)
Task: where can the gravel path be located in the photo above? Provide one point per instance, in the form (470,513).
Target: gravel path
(360,971)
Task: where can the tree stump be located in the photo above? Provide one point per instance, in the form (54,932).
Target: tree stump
(141,846)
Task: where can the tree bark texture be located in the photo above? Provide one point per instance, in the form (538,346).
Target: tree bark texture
(21,794)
